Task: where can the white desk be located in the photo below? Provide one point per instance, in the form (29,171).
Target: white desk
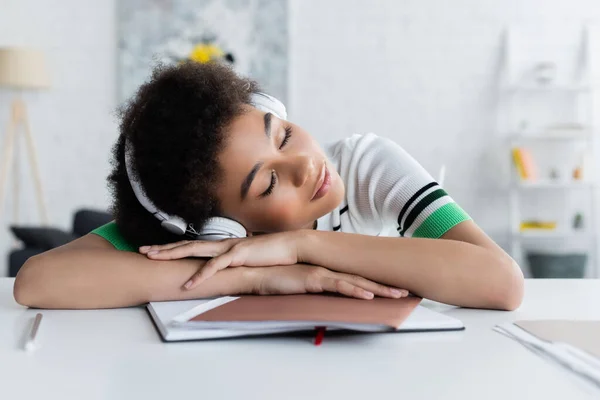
(117,354)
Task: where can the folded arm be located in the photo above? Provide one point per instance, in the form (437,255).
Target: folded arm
(465,267)
(91,273)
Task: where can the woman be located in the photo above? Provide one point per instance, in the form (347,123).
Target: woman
(359,218)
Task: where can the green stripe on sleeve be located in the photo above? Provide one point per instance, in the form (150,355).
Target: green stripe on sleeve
(441,221)
(111,233)
(421,205)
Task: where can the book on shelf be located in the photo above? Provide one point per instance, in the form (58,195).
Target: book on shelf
(524,163)
(532,225)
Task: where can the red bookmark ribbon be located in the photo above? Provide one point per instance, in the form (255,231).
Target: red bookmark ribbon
(319,335)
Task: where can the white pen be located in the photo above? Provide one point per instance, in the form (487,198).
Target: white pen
(30,343)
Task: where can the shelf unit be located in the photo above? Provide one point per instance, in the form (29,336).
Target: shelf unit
(558,234)
(520,239)
(548,184)
(586,137)
(517,139)
(550,88)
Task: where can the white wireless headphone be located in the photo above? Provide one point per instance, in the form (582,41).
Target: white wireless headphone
(216,228)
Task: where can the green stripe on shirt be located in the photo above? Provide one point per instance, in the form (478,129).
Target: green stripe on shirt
(421,205)
(441,221)
(111,233)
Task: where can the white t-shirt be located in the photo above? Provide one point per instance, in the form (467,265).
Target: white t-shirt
(388,193)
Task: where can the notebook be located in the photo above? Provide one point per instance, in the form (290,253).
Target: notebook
(575,345)
(582,334)
(227,317)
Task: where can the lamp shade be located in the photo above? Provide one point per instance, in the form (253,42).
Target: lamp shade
(23,68)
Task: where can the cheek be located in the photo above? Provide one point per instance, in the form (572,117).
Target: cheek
(338,185)
(287,215)
(281,214)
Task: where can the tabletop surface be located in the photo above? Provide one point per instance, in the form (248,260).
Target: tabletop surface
(117,354)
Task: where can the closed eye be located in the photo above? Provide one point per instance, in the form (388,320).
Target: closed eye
(271,186)
(286,138)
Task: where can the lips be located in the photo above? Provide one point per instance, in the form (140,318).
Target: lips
(323,183)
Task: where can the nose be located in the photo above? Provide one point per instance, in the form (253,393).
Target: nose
(300,167)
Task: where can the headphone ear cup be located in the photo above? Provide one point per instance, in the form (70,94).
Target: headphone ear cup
(174,225)
(268,103)
(219,228)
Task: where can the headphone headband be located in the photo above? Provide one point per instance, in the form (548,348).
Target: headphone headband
(268,103)
(171,223)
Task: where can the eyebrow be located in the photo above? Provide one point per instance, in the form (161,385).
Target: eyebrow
(250,178)
(267,119)
(248,181)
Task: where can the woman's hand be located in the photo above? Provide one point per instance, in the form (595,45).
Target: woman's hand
(257,251)
(303,278)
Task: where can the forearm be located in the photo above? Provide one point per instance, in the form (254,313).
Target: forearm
(97,278)
(448,271)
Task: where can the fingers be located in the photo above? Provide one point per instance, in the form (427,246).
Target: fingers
(378,289)
(146,249)
(345,288)
(185,249)
(210,268)
(355,286)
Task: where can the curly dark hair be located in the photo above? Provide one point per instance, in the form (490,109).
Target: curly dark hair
(175,126)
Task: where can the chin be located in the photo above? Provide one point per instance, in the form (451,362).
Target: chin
(338,190)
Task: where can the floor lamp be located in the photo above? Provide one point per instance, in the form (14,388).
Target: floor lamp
(21,69)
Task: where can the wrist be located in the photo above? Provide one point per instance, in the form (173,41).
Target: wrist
(250,279)
(304,243)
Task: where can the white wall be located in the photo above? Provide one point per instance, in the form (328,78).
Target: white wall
(422,72)
(73,124)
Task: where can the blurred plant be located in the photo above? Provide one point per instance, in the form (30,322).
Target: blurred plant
(203,49)
(204,53)
(578,221)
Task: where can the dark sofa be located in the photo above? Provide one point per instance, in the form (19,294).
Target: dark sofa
(36,240)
